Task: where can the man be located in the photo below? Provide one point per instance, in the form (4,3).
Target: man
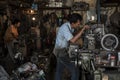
(11,35)
(63,39)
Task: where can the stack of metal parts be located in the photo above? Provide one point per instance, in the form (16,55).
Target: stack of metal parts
(28,71)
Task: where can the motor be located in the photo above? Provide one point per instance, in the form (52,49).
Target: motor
(98,38)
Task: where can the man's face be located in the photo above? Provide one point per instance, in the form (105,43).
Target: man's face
(18,24)
(77,24)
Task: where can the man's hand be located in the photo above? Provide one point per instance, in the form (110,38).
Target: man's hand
(87,27)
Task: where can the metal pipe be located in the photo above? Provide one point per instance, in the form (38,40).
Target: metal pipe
(98,11)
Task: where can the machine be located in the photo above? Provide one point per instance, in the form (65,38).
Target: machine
(99,49)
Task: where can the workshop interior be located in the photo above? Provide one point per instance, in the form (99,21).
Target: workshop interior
(97,55)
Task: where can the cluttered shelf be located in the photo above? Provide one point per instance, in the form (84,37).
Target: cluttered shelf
(108,66)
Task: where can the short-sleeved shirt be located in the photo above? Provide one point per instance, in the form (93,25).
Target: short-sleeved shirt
(64,35)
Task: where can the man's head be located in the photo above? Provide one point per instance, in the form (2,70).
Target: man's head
(75,20)
(16,22)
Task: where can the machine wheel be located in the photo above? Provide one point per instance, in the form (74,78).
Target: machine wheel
(109,42)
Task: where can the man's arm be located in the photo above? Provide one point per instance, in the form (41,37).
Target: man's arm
(77,36)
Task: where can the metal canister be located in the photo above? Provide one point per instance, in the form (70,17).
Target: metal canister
(118,59)
(112,61)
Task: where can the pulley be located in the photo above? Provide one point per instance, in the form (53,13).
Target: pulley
(109,42)
(34,59)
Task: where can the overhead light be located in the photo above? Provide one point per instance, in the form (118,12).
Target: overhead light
(33,18)
(31,11)
(92,18)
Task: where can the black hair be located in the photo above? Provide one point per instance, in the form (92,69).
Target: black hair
(15,21)
(73,18)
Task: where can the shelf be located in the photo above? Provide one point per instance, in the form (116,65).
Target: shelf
(57,8)
(107,66)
